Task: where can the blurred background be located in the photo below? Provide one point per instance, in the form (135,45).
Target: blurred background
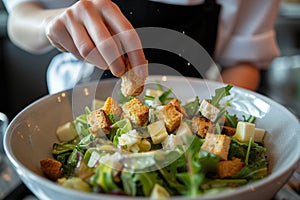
(23,76)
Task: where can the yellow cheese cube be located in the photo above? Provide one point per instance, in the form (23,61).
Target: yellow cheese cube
(244,131)
(259,134)
(157,131)
(66,132)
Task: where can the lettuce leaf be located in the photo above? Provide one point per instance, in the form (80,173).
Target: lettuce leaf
(220,93)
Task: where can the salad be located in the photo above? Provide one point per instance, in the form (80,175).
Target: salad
(158,147)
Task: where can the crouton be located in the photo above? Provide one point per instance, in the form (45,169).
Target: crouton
(132,84)
(51,168)
(171,116)
(136,112)
(179,107)
(111,106)
(201,126)
(229,167)
(217,145)
(227,130)
(99,122)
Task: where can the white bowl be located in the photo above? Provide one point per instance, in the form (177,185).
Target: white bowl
(30,135)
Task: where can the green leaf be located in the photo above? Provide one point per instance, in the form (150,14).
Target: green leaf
(231,120)
(129,184)
(104,177)
(256,170)
(250,119)
(220,93)
(192,107)
(113,118)
(62,148)
(163,98)
(147,181)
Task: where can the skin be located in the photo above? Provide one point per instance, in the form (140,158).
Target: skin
(85,29)
(243,75)
(97,32)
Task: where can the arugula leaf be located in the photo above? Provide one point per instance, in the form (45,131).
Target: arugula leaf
(113,118)
(220,93)
(65,154)
(239,150)
(231,120)
(146,181)
(250,119)
(103,178)
(256,170)
(164,97)
(81,126)
(138,183)
(198,164)
(192,107)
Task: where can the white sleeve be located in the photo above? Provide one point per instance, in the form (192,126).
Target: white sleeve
(10,4)
(247,33)
(51,4)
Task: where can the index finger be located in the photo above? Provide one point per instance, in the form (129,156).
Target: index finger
(128,37)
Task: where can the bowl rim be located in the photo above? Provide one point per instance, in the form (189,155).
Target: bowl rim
(20,168)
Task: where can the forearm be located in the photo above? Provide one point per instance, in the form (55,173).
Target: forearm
(26,26)
(244,75)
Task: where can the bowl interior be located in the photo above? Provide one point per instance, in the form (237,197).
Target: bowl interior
(30,135)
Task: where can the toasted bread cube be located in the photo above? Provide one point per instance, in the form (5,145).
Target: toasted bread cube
(111,106)
(217,144)
(227,130)
(136,112)
(208,110)
(51,168)
(229,167)
(99,122)
(171,116)
(179,107)
(201,126)
(132,84)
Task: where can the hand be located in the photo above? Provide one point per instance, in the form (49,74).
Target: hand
(95,31)
(245,75)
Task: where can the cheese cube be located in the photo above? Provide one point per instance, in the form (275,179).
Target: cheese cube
(66,132)
(208,110)
(244,131)
(171,142)
(157,131)
(184,130)
(259,135)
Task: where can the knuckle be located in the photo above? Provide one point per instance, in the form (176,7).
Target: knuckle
(85,49)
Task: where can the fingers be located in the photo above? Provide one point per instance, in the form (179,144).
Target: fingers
(124,31)
(83,43)
(104,41)
(96,31)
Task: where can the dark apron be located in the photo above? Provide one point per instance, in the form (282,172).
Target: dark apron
(199,22)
